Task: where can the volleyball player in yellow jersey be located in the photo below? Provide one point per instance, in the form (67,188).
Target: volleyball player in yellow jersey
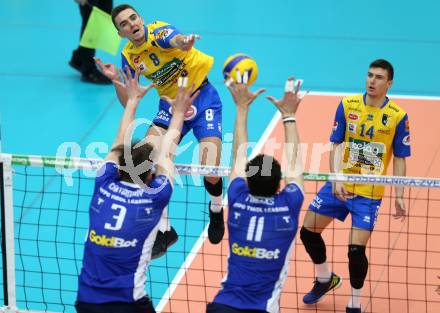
(368,129)
(163,54)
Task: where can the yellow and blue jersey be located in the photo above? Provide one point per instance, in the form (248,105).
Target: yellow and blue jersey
(371,136)
(163,64)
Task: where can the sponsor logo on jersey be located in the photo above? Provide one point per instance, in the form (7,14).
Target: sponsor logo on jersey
(352,128)
(255,253)
(384,119)
(370,117)
(393,108)
(163,33)
(168,72)
(353,101)
(353,116)
(189,114)
(136,59)
(406,140)
(335,126)
(111,242)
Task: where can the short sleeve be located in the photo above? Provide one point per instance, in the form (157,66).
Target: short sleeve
(236,187)
(164,34)
(294,197)
(338,133)
(125,63)
(161,189)
(401,141)
(108,170)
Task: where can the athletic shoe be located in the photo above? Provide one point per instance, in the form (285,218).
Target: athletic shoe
(216,228)
(320,289)
(163,241)
(352,310)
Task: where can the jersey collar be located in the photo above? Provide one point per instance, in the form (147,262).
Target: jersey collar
(383,105)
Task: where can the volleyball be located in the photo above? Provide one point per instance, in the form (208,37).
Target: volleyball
(242,63)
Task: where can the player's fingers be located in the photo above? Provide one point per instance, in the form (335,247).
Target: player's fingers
(288,86)
(229,82)
(124,77)
(238,76)
(180,82)
(304,94)
(272,99)
(298,85)
(194,96)
(167,99)
(259,92)
(185,82)
(97,60)
(128,72)
(148,87)
(136,74)
(117,82)
(245,77)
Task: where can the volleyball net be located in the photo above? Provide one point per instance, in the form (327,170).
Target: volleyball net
(45,202)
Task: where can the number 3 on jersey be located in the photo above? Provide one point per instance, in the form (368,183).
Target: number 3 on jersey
(119,217)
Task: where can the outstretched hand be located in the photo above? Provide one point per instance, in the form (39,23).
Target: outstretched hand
(240,92)
(188,41)
(288,104)
(400,209)
(131,84)
(109,70)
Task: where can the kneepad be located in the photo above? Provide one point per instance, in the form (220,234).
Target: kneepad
(314,245)
(358,265)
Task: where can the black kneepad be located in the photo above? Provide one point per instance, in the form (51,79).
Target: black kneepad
(358,265)
(214,190)
(314,245)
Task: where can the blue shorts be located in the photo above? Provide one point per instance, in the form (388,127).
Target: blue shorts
(204,117)
(363,210)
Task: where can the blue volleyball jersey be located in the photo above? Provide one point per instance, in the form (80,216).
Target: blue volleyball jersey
(261,237)
(123,223)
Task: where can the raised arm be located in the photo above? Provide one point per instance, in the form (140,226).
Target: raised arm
(134,94)
(243,99)
(169,141)
(111,72)
(288,105)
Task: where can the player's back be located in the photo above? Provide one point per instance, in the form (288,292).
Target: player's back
(123,225)
(261,236)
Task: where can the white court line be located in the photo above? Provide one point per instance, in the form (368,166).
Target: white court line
(343,94)
(199,243)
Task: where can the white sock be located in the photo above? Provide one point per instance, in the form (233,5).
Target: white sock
(164,223)
(216,204)
(355,299)
(323,274)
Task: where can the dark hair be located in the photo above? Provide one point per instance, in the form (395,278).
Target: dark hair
(139,152)
(263,175)
(118,9)
(381,63)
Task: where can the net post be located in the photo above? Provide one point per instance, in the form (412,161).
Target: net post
(7,225)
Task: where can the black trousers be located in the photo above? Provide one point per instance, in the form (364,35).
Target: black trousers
(143,305)
(221,308)
(84,56)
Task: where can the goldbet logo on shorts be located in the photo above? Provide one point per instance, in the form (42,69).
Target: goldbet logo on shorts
(255,253)
(111,242)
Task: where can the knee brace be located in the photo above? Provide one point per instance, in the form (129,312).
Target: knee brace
(314,245)
(358,265)
(214,190)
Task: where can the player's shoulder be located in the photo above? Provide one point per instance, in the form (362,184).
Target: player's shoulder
(394,108)
(155,25)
